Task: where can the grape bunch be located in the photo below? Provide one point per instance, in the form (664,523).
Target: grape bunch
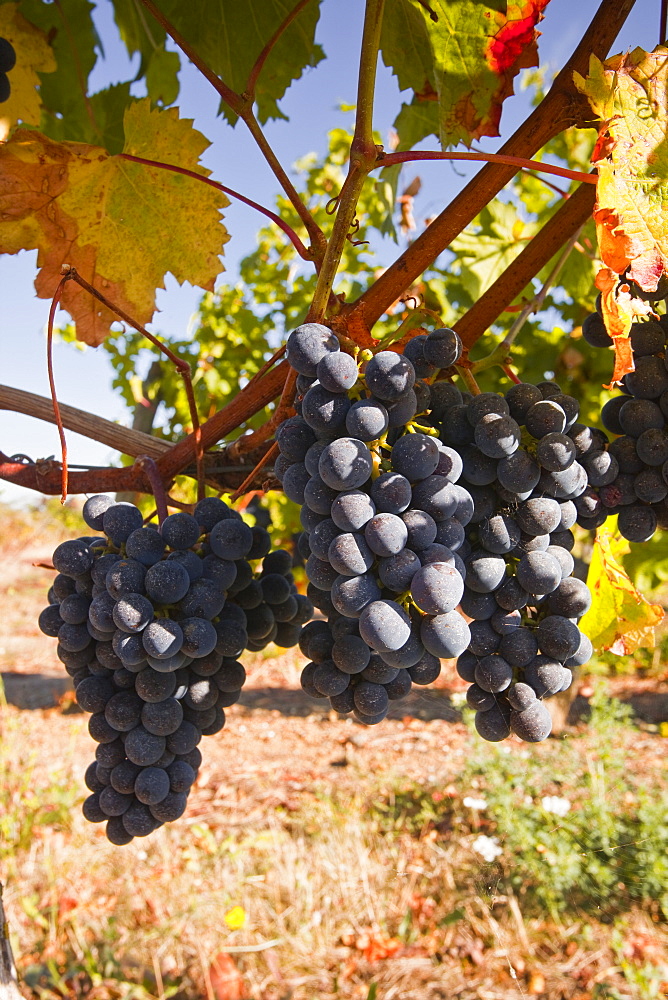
(630,476)
(7,63)
(423,507)
(379,505)
(150,626)
(525,461)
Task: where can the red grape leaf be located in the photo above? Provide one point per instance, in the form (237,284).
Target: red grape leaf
(511,48)
(123,225)
(629,95)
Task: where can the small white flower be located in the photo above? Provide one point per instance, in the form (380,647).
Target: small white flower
(472,803)
(556,805)
(458,698)
(487,847)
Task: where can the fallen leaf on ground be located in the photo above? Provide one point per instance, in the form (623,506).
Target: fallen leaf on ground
(227,982)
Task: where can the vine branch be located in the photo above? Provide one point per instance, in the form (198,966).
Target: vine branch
(252,398)
(363,154)
(561,108)
(122,439)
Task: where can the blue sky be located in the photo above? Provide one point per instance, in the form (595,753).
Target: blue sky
(84,377)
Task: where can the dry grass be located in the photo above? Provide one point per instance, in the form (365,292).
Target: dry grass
(350,850)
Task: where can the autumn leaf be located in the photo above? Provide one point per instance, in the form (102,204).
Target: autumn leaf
(620,619)
(620,310)
(512,46)
(464,57)
(629,94)
(227,983)
(123,225)
(33,55)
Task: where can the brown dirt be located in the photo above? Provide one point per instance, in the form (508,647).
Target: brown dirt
(281,755)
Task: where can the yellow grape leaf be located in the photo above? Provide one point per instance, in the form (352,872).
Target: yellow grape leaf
(33,55)
(123,225)
(628,93)
(620,619)
(235,918)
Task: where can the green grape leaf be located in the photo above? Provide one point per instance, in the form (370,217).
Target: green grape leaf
(162,80)
(33,55)
(620,619)
(229,37)
(67,112)
(406,45)
(104,126)
(415,122)
(486,247)
(463,56)
(142,34)
(647,564)
(123,225)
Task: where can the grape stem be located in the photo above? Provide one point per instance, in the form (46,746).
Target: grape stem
(249,89)
(248,481)
(149,467)
(471,384)
(511,374)
(363,154)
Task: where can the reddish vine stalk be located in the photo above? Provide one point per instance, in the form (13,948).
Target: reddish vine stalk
(52,385)
(249,89)
(391,159)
